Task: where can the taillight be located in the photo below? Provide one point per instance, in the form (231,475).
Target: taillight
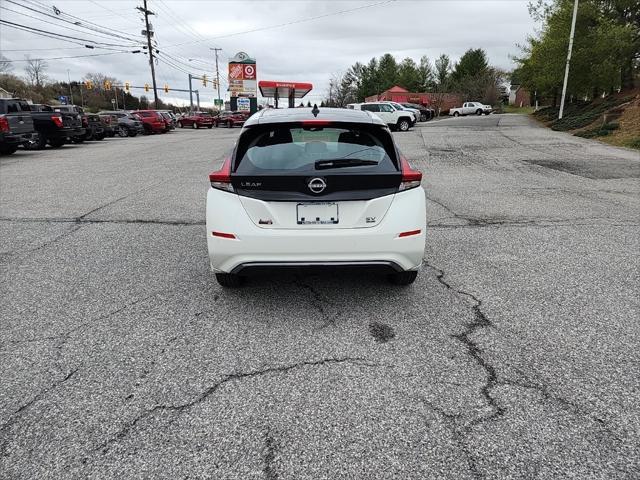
(4,124)
(57,120)
(221,179)
(410,178)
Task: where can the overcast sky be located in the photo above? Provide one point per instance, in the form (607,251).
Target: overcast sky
(291,40)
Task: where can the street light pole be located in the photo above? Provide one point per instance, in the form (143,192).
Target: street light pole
(566,70)
(217,73)
(70,91)
(190,94)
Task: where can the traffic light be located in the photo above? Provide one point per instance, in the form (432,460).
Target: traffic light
(107,85)
(166,88)
(214,83)
(88,84)
(127,86)
(204,80)
(146,87)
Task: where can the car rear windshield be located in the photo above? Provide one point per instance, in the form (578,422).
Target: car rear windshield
(277,149)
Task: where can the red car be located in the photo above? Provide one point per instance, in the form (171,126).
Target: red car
(231,119)
(152,121)
(196,120)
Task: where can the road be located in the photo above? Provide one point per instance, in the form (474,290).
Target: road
(514,355)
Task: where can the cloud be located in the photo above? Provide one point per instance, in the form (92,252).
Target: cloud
(308,51)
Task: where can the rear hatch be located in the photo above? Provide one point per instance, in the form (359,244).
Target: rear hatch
(18,115)
(315,175)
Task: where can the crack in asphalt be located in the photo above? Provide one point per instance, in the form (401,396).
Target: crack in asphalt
(82,220)
(318,302)
(270,449)
(15,416)
(66,336)
(453,423)
(473,350)
(204,395)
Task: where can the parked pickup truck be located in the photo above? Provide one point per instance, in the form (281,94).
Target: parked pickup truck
(16,124)
(90,128)
(54,128)
(471,108)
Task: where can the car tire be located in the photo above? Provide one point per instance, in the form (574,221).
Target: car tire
(122,131)
(456,114)
(424,117)
(132,133)
(8,149)
(56,142)
(77,140)
(403,125)
(209,126)
(403,278)
(229,280)
(478,112)
(39,144)
(100,136)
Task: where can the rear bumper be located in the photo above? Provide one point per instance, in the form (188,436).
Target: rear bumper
(256,247)
(16,138)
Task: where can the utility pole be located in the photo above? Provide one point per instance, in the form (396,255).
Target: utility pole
(217,74)
(190,95)
(198,98)
(149,33)
(116,97)
(566,70)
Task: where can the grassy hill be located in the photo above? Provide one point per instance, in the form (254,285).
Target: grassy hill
(614,119)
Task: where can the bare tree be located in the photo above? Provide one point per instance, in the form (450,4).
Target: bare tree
(5,65)
(36,71)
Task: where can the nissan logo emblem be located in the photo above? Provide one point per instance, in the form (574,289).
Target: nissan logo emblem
(317,185)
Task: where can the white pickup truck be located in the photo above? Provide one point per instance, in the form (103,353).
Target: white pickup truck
(471,108)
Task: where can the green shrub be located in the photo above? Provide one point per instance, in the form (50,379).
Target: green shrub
(611,126)
(635,143)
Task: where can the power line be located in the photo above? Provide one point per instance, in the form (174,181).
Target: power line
(73,56)
(95,33)
(55,34)
(59,12)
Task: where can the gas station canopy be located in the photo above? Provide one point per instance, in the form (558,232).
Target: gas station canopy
(283,89)
(288,90)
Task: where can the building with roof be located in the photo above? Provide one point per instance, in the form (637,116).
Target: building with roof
(439,101)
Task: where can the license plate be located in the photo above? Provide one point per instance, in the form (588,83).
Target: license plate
(317,213)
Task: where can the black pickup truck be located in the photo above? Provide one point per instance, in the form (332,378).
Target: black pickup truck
(54,128)
(16,124)
(94,129)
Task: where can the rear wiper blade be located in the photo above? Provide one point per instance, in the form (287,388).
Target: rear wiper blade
(343,162)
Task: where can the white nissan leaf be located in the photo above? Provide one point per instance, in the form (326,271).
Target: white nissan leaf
(315,187)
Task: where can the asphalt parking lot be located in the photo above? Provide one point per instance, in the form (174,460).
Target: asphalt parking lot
(514,355)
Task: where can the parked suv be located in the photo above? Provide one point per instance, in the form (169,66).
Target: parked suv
(396,119)
(196,120)
(16,124)
(231,119)
(398,106)
(426,113)
(324,187)
(128,125)
(152,121)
